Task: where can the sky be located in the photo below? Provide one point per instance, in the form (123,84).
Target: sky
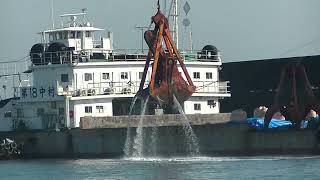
(242,30)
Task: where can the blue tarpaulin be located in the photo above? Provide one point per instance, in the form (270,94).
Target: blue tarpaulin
(259,123)
(276,123)
(305,123)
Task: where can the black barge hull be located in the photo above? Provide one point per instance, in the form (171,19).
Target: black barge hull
(253,83)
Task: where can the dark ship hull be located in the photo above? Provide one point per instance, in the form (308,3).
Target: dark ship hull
(253,83)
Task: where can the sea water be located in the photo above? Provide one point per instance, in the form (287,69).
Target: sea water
(239,168)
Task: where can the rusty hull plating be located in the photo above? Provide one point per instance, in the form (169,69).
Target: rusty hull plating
(166,81)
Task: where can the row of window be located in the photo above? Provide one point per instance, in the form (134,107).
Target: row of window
(89,76)
(106,76)
(68,35)
(211,104)
(99,109)
(196,75)
(88,109)
(124,75)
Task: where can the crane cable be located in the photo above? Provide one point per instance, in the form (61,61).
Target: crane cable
(300,47)
(25,58)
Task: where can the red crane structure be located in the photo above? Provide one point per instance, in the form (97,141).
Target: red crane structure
(296,109)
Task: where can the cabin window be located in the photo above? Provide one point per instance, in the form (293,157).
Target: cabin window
(87,77)
(78,34)
(209,75)
(58,36)
(124,75)
(212,103)
(54,36)
(196,75)
(88,109)
(99,109)
(197,107)
(140,75)
(40,111)
(7,114)
(61,111)
(64,78)
(88,34)
(61,35)
(19,112)
(72,34)
(51,37)
(65,35)
(53,104)
(105,76)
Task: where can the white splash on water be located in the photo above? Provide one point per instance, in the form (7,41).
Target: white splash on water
(219,159)
(139,138)
(154,139)
(127,146)
(191,138)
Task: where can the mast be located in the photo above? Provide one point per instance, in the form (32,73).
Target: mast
(165,7)
(52,18)
(173,13)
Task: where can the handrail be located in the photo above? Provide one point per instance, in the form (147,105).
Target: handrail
(212,86)
(83,56)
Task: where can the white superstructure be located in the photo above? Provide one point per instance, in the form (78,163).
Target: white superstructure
(75,75)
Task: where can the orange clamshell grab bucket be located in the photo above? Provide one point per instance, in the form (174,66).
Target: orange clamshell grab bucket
(166,81)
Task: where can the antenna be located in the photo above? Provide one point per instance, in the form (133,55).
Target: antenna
(83,10)
(165,7)
(52,18)
(173,12)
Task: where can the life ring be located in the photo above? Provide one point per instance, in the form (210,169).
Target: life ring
(2,147)
(126,90)
(82,53)
(91,92)
(10,151)
(83,92)
(107,91)
(7,146)
(13,145)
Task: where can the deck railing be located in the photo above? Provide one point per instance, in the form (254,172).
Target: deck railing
(132,87)
(101,55)
(212,87)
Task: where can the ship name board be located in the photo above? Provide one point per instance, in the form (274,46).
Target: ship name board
(41,92)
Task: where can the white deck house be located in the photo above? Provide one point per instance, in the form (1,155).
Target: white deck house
(76,76)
